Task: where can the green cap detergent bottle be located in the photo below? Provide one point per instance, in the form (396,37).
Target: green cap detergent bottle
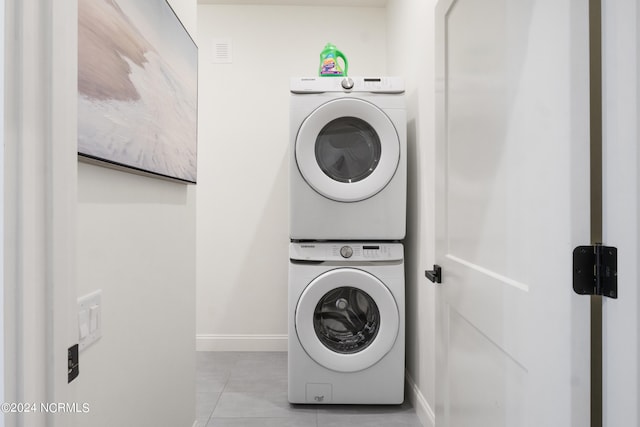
(329,66)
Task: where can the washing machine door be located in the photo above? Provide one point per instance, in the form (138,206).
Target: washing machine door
(347,320)
(347,149)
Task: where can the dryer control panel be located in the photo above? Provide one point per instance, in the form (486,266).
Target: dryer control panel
(385,84)
(345,251)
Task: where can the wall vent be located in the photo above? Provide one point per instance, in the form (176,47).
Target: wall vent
(222,51)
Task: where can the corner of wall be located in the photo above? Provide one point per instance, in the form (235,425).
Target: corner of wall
(423,410)
(410,29)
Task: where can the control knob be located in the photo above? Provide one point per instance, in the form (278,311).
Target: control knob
(346,251)
(347,83)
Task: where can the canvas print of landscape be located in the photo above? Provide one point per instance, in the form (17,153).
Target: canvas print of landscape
(137,87)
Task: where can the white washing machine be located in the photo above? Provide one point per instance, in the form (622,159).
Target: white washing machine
(348,173)
(346,323)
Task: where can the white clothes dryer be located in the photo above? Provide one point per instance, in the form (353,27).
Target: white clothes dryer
(346,323)
(348,174)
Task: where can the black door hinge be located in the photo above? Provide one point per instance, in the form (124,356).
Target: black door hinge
(434,275)
(595,270)
(72,363)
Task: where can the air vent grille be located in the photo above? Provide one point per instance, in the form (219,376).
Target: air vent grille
(222,51)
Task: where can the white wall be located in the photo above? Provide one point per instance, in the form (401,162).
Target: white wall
(410,32)
(136,242)
(242,217)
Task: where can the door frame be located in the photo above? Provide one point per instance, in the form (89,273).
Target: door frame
(621,209)
(40,198)
(2,322)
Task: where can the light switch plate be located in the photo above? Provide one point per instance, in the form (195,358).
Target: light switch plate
(89,319)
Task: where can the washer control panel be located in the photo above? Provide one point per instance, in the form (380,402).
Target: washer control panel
(345,251)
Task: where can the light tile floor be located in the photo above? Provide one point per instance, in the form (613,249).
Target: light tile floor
(249,389)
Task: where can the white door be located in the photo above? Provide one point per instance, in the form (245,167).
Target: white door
(347,150)
(512,203)
(621,210)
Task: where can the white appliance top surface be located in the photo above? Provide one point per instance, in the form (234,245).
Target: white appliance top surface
(305,85)
(345,251)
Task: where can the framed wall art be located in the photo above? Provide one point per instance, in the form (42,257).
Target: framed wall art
(137,88)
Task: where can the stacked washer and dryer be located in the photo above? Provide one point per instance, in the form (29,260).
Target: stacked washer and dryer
(346,263)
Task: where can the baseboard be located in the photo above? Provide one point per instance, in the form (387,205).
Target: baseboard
(224,342)
(423,410)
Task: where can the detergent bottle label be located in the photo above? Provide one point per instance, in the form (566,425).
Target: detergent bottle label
(329,66)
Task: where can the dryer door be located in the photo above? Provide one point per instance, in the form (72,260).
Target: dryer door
(347,320)
(347,150)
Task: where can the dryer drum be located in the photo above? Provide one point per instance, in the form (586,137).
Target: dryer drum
(346,320)
(348,149)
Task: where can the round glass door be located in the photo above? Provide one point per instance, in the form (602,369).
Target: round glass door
(346,319)
(347,150)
